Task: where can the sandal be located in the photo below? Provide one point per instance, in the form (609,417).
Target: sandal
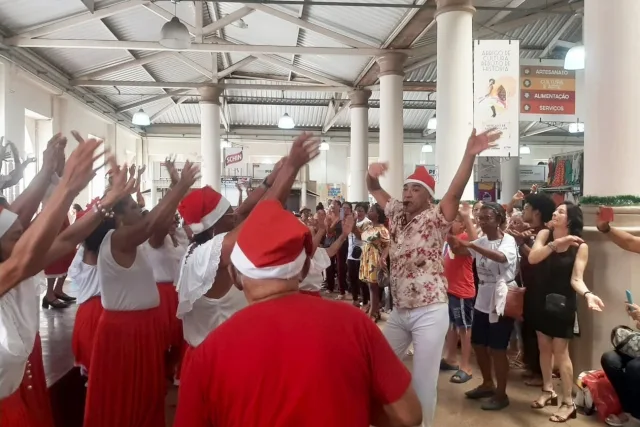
(619,420)
(445,366)
(460,377)
(555,418)
(548,398)
(480,393)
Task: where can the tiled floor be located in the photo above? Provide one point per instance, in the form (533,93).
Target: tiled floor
(453,409)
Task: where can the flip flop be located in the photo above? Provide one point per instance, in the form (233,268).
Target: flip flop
(460,377)
(444,366)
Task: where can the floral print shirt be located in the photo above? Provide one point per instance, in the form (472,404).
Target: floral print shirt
(417,265)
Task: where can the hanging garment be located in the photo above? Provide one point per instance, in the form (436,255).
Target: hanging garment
(558,176)
(568,172)
(550,173)
(577,169)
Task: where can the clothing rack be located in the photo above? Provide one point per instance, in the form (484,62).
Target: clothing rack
(567,155)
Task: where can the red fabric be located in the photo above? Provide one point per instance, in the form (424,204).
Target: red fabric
(60,267)
(84,330)
(604,395)
(312,293)
(14,413)
(175,340)
(459,273)
(127,384)
(198,204)
(187,354)
(273,365)
(35,393)
(422,174)
(283,236)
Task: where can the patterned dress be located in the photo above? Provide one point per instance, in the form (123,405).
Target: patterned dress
(376,239)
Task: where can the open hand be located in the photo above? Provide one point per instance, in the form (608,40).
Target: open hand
(376,170)
(594,302)
(518,196)
(79,171)
(304,149)
(121,183)
(141,170)
(347,225)
(189,176)
(465,210)
(477,143)
(321,220)
(51,155)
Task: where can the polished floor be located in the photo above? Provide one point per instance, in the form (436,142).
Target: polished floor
(453,409)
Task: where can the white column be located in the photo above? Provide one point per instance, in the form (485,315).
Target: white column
(612,109)
(304,178)
(454,108)
(391,148)
(359,156)
(210,136)
(509,178)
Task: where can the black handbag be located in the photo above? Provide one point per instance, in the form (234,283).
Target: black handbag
(556,304)
(356,252)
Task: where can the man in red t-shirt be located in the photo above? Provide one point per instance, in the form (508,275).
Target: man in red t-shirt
(458,268)
(273,364)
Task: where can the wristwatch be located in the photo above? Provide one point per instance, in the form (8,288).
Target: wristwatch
(606,230)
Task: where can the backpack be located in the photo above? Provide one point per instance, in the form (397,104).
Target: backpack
(626,341)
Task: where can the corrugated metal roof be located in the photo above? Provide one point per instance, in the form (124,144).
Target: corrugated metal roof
(127,26)
(183,114)
(174,70)
(263,29)
(20,15)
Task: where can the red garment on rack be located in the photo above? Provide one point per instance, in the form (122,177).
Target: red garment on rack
(558,176)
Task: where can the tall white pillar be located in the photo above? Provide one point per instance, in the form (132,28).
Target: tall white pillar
(611,150)
(454,108)
(509,178)
(391,148)
(210,136)
(304,178)
(359,145)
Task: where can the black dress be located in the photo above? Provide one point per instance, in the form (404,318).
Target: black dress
(554,298)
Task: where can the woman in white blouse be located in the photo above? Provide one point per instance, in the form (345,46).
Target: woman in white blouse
(23,254)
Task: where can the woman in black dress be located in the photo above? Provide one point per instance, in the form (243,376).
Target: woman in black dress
(561,256)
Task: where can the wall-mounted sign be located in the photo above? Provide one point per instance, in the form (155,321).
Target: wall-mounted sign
(533,173)
(232,155)
(547,91)
(496,93)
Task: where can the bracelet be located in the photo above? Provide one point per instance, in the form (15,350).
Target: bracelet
(552,246)
(585,294)
(606,230)
(265,184)
(99,209)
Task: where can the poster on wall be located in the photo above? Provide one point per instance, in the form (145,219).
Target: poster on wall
(547,91)
(486,191)
(496,92)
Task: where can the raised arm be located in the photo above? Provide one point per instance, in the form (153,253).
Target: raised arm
(620,238)
(77,232)
(541,249)
(27,202)
(126,239)
(253,197)
(475,145)
(26,258)
(376,170)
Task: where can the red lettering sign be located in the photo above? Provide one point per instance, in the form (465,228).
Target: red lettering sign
(233,158)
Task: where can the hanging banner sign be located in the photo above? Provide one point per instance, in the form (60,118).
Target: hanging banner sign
(496,93)
(547,91)
(232,155)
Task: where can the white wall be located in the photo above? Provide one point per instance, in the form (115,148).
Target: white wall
(51,111)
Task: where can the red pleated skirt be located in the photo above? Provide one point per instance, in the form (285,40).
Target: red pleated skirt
(60,267)
(127,384)
(186,357)
(84,330)
(35,393)
(175,340)
(13,412)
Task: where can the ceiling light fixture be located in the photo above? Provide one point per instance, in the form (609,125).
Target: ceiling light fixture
(576,127)
(140,118)
(427,148)
(286,122)
(525,150)
(432,123)
(240,24)
(175,35)
(574,60)
(324,146)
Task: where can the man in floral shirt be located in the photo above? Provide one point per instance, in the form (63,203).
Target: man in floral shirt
(418,230)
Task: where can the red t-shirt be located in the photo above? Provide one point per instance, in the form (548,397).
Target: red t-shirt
(459,272)
(290,362)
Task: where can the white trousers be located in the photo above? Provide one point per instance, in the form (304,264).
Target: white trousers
(427,328)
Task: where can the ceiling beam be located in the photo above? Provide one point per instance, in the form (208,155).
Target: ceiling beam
(168,108)
(503,14)
(309,26)
(199,15)
(168,16)
(197,47)
(229,19)
(124,65)
(404,36)
(193,64)
(236,66)
(79,19)
(335,117)
(150,100)
(552,43)
(90,5)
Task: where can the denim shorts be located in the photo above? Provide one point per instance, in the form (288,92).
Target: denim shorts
(461,311)
(496,336)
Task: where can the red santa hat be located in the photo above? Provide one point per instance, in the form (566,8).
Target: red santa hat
(202,208)
(7,218)
(422,176)
(273,243)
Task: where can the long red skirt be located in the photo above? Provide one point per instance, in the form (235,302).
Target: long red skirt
(84,330)
(35,393)
(14,413)
(175,340)
(312,293)
(127,384)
